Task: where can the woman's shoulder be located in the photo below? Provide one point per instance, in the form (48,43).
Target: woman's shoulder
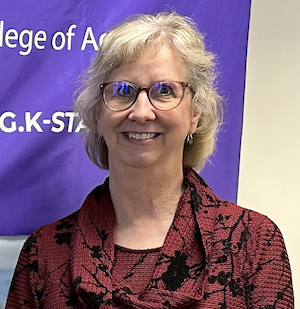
(248,221)
(216,213)
(221,208)
(49,243)
(53,230)
(246,215)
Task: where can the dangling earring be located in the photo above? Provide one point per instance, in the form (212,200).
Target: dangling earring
(189,139)
(98,138)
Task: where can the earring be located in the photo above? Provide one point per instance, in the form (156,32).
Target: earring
(189,139)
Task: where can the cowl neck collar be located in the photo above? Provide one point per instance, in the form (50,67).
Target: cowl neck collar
(178,279)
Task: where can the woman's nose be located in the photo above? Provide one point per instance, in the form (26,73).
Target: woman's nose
(142,110)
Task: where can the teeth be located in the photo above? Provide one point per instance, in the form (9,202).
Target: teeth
(141,136)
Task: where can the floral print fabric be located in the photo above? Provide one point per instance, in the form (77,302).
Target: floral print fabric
(215,255)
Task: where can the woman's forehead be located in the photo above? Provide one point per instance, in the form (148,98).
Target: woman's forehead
(164,64)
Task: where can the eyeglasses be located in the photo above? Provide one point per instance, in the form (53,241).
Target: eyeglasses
(119,96)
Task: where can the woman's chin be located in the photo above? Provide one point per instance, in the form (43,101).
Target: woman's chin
(142,162)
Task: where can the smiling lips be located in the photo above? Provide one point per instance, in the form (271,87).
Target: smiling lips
(141,136)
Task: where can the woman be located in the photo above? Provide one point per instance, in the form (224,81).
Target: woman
(154,235)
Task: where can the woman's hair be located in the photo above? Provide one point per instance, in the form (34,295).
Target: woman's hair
(125,43)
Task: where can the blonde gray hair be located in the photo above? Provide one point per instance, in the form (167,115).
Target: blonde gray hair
(125,43)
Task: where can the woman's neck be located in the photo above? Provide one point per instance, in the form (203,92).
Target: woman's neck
(145,202)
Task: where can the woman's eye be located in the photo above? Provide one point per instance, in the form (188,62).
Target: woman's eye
(163,89)
(121,90)
(124,89)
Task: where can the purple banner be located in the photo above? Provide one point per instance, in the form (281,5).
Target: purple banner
(44,48)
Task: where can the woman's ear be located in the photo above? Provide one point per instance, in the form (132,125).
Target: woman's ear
(97,113)
(194,121)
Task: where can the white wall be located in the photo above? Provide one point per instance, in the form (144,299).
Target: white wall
(269,179)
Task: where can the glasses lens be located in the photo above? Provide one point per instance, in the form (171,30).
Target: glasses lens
(119,95)
(166,95)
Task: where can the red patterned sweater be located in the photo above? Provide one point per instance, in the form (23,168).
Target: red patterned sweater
(69,264)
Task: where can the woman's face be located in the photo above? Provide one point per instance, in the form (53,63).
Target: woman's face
(124,131)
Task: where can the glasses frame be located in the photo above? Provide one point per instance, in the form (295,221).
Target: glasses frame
(184,85)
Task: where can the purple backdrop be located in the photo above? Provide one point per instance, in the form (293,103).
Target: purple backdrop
(44,47)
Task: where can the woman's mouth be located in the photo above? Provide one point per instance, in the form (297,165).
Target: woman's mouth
(141,136)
